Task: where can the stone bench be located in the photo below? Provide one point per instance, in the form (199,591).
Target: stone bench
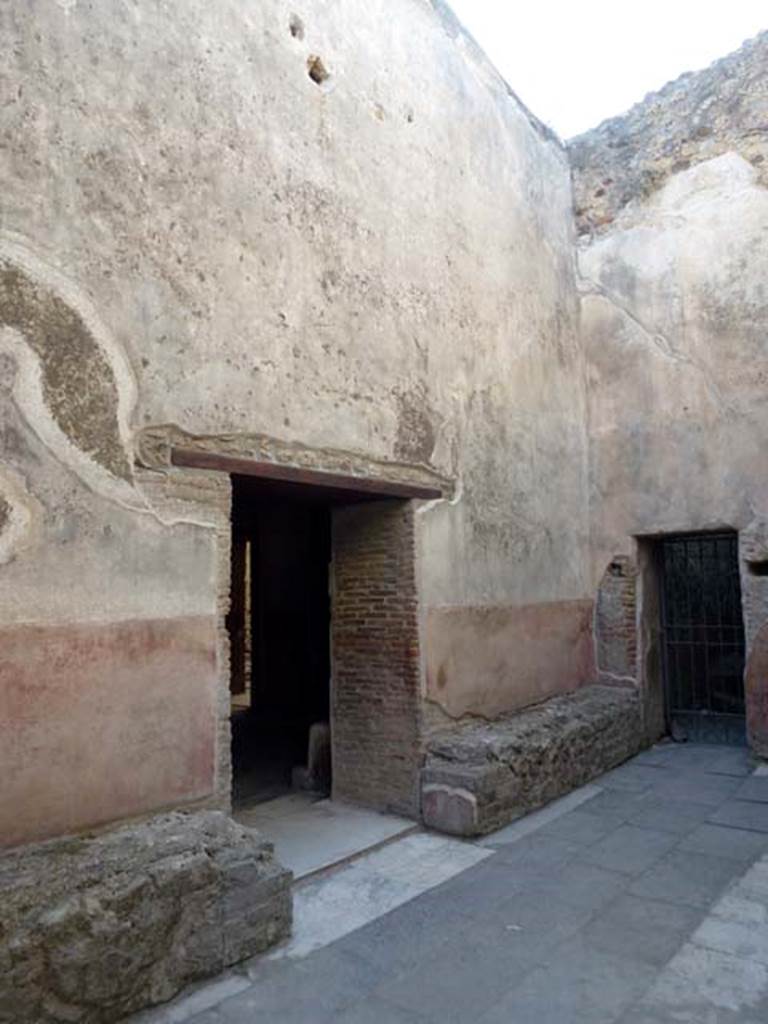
(479,776)
(95,927)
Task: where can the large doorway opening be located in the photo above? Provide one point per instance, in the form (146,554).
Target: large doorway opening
(279,627)
(311,710)
(702,637)
(322,619)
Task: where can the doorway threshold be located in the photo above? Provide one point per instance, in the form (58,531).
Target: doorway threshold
(311,835)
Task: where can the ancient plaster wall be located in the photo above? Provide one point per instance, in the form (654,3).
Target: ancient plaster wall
(370,265)
(673,214)
(108,672)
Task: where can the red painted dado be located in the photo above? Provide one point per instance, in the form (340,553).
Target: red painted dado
(487,660)
(103,721)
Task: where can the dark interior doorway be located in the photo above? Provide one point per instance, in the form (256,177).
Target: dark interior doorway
(279,625)
(703,637)
(290,725)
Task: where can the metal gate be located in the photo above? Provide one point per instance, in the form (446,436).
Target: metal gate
(703,634)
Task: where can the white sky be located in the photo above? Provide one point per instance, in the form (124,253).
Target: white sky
(576,62)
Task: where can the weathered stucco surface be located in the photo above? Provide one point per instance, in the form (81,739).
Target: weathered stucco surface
(71,696)
(330,236)
(674,315)
(338,240)
(375,264)
(675,320)
(78,386)
(550,646)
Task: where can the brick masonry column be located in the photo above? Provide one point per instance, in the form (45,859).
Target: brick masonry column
(616,623)
(375,687)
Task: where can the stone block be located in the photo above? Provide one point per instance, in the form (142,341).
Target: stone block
(449,809)
(480,776)
(95,927)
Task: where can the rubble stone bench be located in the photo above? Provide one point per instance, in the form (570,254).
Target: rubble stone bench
(479,776)
(95,927)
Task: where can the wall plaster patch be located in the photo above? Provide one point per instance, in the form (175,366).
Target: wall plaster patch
(72,383)
(20,516)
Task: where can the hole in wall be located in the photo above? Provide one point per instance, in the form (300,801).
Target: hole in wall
(317,70)
(296,27)
(759,567)
(619,566)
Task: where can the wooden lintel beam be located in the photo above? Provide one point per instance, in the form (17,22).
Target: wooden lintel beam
(196,459)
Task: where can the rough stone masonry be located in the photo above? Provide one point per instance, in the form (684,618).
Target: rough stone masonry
(92,928)
(483,775)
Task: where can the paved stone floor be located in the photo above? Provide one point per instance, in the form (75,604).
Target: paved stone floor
(310,834)
(642,899)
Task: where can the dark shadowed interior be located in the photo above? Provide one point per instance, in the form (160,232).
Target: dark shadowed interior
(279,631)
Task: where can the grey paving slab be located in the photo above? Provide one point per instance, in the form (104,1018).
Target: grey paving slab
(724,841)
(647,930)
(701,787)
(682,876)
(458,983)
(647,1016)
(312,989)
(698,1014)
(527,926)
(656,811)
(483,891)
(614,803)
(377,1011)
(742,814)
(329,907)
(633,778)
(581,885)
(746,940)
(697,755)
(255,1008)
(720,974)
(580,985)
(533,856)
(630,849)
(753,788)
(405,936)
(658,756)
(741,903)
(491,901)
(682,759)
(702,985)
(581,828)
(732,761)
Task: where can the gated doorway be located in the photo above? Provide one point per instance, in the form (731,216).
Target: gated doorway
(703,637)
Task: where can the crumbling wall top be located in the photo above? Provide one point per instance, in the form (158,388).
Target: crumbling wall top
(698,116)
